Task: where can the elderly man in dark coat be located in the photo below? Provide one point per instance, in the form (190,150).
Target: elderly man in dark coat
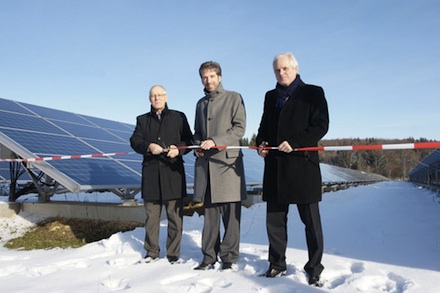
(295,115)
(157,136)
(219,173)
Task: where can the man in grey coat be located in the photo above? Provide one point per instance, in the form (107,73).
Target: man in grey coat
(219,173)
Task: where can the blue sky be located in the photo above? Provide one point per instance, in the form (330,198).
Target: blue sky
(378,61)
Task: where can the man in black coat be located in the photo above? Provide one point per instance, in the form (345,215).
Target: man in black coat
(295,115)
(157,136)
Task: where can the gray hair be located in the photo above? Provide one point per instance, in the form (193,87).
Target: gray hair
(292,59)
(158,85)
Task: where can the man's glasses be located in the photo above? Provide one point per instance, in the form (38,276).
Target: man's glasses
(158,96)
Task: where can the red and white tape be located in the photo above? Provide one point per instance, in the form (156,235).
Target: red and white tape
(56,158)
(400,146)
(419,145)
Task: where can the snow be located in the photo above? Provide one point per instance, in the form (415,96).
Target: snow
(379,238)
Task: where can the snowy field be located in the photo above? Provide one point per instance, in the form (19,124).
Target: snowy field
(378,238)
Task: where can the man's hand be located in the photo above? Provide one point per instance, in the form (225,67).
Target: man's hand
(173,151)
(198,153)
(285,147)
(261,151)
(207,144)
(155,149)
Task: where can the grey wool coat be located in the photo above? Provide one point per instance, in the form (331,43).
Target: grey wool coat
(220,116)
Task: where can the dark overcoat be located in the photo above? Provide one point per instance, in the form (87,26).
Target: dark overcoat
(293,177)
(163,178)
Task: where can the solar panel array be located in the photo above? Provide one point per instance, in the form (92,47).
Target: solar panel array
(427,171)
(33,131)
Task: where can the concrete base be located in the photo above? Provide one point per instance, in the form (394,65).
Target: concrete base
(129,211)
(88,210)
(9,210)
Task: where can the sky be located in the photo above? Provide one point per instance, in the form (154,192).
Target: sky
(383,238)
(378,61)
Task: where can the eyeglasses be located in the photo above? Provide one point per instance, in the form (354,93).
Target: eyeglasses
(158,96)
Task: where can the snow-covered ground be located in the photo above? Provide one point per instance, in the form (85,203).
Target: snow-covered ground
(378,238)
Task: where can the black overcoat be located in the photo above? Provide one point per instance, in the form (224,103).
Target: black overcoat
(163,178)
(293,177)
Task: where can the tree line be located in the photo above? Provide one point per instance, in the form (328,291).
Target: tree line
(394,164)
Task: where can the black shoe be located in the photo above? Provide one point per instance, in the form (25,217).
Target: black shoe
(272,273)
(173,259)
(314,281)
(229,266)
(204,266)
(149,259)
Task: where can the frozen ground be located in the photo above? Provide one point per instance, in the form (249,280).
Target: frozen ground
(378,238)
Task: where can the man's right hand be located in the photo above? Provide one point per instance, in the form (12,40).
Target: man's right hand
(198,153)
(155,149)
(261,151)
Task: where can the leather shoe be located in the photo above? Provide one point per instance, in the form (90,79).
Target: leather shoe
(229,266)
(173,259)
(314,281)
(272,273)
(204,266)
(149,259)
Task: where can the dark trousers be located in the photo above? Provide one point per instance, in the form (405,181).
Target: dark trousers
(276,224)
(229,213)
(152,225)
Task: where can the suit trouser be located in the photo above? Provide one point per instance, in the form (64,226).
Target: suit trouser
(228,248)
(276,224)
(152,225)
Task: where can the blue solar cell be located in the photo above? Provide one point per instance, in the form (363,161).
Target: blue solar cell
(25,122)
(47,144)
(109,124)
(135,165)
(4,172)
(123,135)
(12,106)
(110,147)
(97,172)
(83,131)
(49,113)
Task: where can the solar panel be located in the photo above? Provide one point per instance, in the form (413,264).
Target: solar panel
(33,131)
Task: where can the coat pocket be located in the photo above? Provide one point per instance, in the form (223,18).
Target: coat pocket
(232,153)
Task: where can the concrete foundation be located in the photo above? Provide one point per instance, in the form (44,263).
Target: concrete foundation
(127,211)
(87,210)
(9,210)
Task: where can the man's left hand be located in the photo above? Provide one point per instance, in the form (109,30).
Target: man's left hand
(207,144)
(173,152)
(285,147)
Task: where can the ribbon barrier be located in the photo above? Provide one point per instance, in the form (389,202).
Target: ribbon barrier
(56,158)
(401,146)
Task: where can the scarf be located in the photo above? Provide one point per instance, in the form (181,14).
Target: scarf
(285,92)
